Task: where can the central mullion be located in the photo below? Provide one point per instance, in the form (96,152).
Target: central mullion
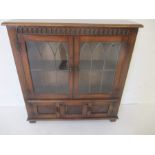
(71,65)
(76,65)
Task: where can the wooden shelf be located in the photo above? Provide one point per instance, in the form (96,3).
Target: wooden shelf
(49,65)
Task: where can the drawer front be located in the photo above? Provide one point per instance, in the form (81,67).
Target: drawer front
(72,109)
(45,109)
(90,109)
(99,109)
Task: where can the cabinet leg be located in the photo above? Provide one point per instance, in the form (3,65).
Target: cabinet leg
(113,119)
(32,121)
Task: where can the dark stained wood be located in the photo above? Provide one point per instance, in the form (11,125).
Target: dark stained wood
(74,23)
(100,31)
(72,108)
(32,121)
(25,62)
(119,68)
(26,66)
(125,63)
(45,38)
(74,105)
(113,119)
(103,38)
(17,57)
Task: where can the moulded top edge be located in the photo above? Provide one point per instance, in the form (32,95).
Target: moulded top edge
(75,23)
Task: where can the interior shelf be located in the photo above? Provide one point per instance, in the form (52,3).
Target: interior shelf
(63,89)
(48,65)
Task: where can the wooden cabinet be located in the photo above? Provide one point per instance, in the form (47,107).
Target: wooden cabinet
(72,70)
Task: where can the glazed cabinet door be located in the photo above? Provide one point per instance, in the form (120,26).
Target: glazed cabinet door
(47,63)
(98,65)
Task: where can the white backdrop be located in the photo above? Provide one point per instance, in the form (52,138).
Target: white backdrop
(140,84)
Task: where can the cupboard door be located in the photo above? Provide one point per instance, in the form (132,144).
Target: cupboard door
(46,110)
(47,62)
(100,108)
(98,64)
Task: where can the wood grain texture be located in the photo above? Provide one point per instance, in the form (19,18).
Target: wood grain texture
(74,23)
(72,109)
(74,105)
(72,30)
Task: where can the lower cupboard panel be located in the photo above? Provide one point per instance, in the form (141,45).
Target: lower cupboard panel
(72,109)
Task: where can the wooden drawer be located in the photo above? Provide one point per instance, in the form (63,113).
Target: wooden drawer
(99,108)
(45,109)
(72,109)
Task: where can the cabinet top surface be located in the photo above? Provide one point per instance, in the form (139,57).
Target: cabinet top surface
(74,23)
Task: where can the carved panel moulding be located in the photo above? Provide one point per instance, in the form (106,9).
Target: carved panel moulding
(72,31)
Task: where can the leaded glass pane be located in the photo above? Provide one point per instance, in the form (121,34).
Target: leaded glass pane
(98,62)
(49,66)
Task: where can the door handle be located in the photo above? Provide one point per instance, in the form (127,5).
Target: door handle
(70,69)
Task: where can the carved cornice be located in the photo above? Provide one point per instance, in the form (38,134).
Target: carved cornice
(72,31)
